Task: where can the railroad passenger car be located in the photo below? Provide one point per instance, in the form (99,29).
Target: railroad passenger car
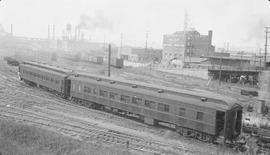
(197,114)
(42,75)
(202,115)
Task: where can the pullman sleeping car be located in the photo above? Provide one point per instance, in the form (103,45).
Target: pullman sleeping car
(197,115)
(202,115)
(49,77)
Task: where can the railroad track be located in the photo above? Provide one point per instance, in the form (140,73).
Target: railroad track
(75,127)
(55,104)
(146,145)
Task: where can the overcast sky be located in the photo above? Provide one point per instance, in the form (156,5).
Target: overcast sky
(239,22)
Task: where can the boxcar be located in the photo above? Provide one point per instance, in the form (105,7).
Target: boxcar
(12,61)
(117,63)
(53,78)
(205,116)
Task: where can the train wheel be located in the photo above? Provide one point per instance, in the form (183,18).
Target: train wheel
(198,136)
(180,130)
(206,138)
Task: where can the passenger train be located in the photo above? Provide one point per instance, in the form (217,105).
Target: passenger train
(203,115)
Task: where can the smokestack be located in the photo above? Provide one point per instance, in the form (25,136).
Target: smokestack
(82,36)
(53,37)
(75,33)
(210,33)
(49,32)
(11,29)
(78,34)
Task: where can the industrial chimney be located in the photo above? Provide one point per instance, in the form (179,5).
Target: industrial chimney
(49,32)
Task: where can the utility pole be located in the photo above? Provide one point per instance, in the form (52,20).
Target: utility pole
(255,64)
(53,37)
(75,33)
(241,57)
(109,61)
(260,59)
(11,30)
(220,64)
(265,46)
(78,34)
(49,32)
(104,42)
(185,35)
(146,40)
(121,45)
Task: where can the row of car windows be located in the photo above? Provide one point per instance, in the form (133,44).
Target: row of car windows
(137,100)
(128,99)
(42,77)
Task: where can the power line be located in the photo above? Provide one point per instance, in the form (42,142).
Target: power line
(265,48)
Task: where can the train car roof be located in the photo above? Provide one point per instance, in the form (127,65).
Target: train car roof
(215,101)
(48,67)
(46,70)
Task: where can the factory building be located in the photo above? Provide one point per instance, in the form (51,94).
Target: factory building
(141,55)
(181,45)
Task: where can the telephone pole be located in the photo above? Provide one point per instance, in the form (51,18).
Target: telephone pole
(121,45)
(220,70)
(49,32)
(265,46)
(53,33)
(260,56)
(11,29)
(146,40)
(109,61)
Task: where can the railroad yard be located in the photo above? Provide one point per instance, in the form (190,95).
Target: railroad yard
(35,107)
(129,78)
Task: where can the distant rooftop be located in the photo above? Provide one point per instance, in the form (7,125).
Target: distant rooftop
(235,58)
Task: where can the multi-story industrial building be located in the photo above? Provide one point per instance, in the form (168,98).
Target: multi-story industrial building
(141,55)
(181,44)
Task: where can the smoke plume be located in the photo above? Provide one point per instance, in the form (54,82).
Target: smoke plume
(255,27)
(98,21)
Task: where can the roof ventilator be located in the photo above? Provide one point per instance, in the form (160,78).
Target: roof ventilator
(160,91)
(134,86)
(99,79)
(203,99)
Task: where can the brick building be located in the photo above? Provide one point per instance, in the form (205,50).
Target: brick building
(180,45)
(140,54)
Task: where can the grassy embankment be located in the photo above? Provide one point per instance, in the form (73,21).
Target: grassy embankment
(20,139)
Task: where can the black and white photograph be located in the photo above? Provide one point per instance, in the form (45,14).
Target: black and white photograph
(134,77)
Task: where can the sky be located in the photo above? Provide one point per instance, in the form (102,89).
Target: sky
(239,22)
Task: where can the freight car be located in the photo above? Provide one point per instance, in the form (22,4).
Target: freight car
(260,126)
(249,93)
(96,60)
(205,116)
(117,63)
(11,61)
